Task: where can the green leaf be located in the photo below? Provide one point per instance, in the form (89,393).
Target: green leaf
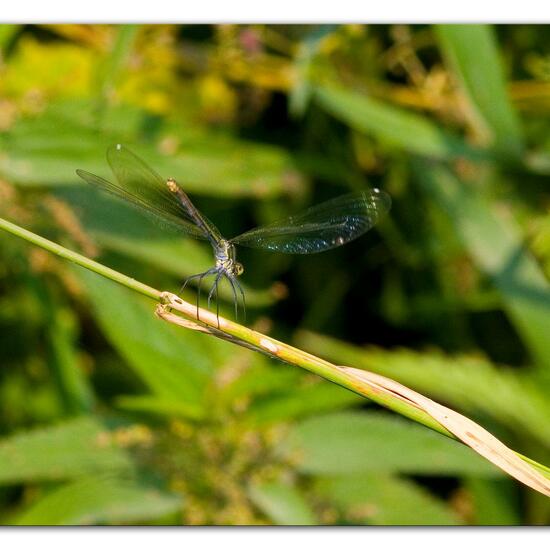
(94,501)
(118,56)
(282,503)
(493,501)
(399,127)
(80,446)
(261,379)
(301,91)
(357,443)
(154,405)
(472,51)
(496,245)
(469,383)
(302,401)
(386,500)
(7,32)
(176,364)
(43,151)
(75,390)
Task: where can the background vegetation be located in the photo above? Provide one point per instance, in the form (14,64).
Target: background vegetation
(109,416)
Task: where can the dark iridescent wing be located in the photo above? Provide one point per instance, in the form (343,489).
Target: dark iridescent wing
(321,227)
(144,188)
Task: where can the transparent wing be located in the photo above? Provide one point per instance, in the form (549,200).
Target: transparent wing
(144,188)
(321,227)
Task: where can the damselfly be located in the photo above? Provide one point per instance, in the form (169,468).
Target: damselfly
(321,227)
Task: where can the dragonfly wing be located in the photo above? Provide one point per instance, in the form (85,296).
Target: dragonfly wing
(144,188)
(321,227)
(158,215)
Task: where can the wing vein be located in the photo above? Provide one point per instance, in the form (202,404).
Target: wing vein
(321,227)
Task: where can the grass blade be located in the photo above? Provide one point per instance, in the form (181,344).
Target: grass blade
(301,91)
(114,63)
(496,245)
(7,33)
(396,126)
(473,54)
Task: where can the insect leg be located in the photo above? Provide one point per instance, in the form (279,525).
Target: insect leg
(235,299)
(217,305)
(242,296)
(214,288)
(187,281)
(200,277)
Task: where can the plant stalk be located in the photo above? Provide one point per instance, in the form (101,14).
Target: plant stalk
(239,334)
(79,259)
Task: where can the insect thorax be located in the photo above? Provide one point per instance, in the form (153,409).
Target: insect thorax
(226,258)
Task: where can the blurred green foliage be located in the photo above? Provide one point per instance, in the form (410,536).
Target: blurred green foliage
(109,416)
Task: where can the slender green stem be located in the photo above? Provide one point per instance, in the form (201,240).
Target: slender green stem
(241,335)
(78,259)
(238,332)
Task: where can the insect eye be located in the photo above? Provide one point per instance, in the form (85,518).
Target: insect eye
(239,269)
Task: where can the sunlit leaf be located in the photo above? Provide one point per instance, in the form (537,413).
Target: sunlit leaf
(386,500)
(356,443)
(394,125)
(282,503)
(43,151)
(94,501)
(7,32)
(55,69)
(468,383)
(158,406)
(304,400)
(473,53)
(64,451)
